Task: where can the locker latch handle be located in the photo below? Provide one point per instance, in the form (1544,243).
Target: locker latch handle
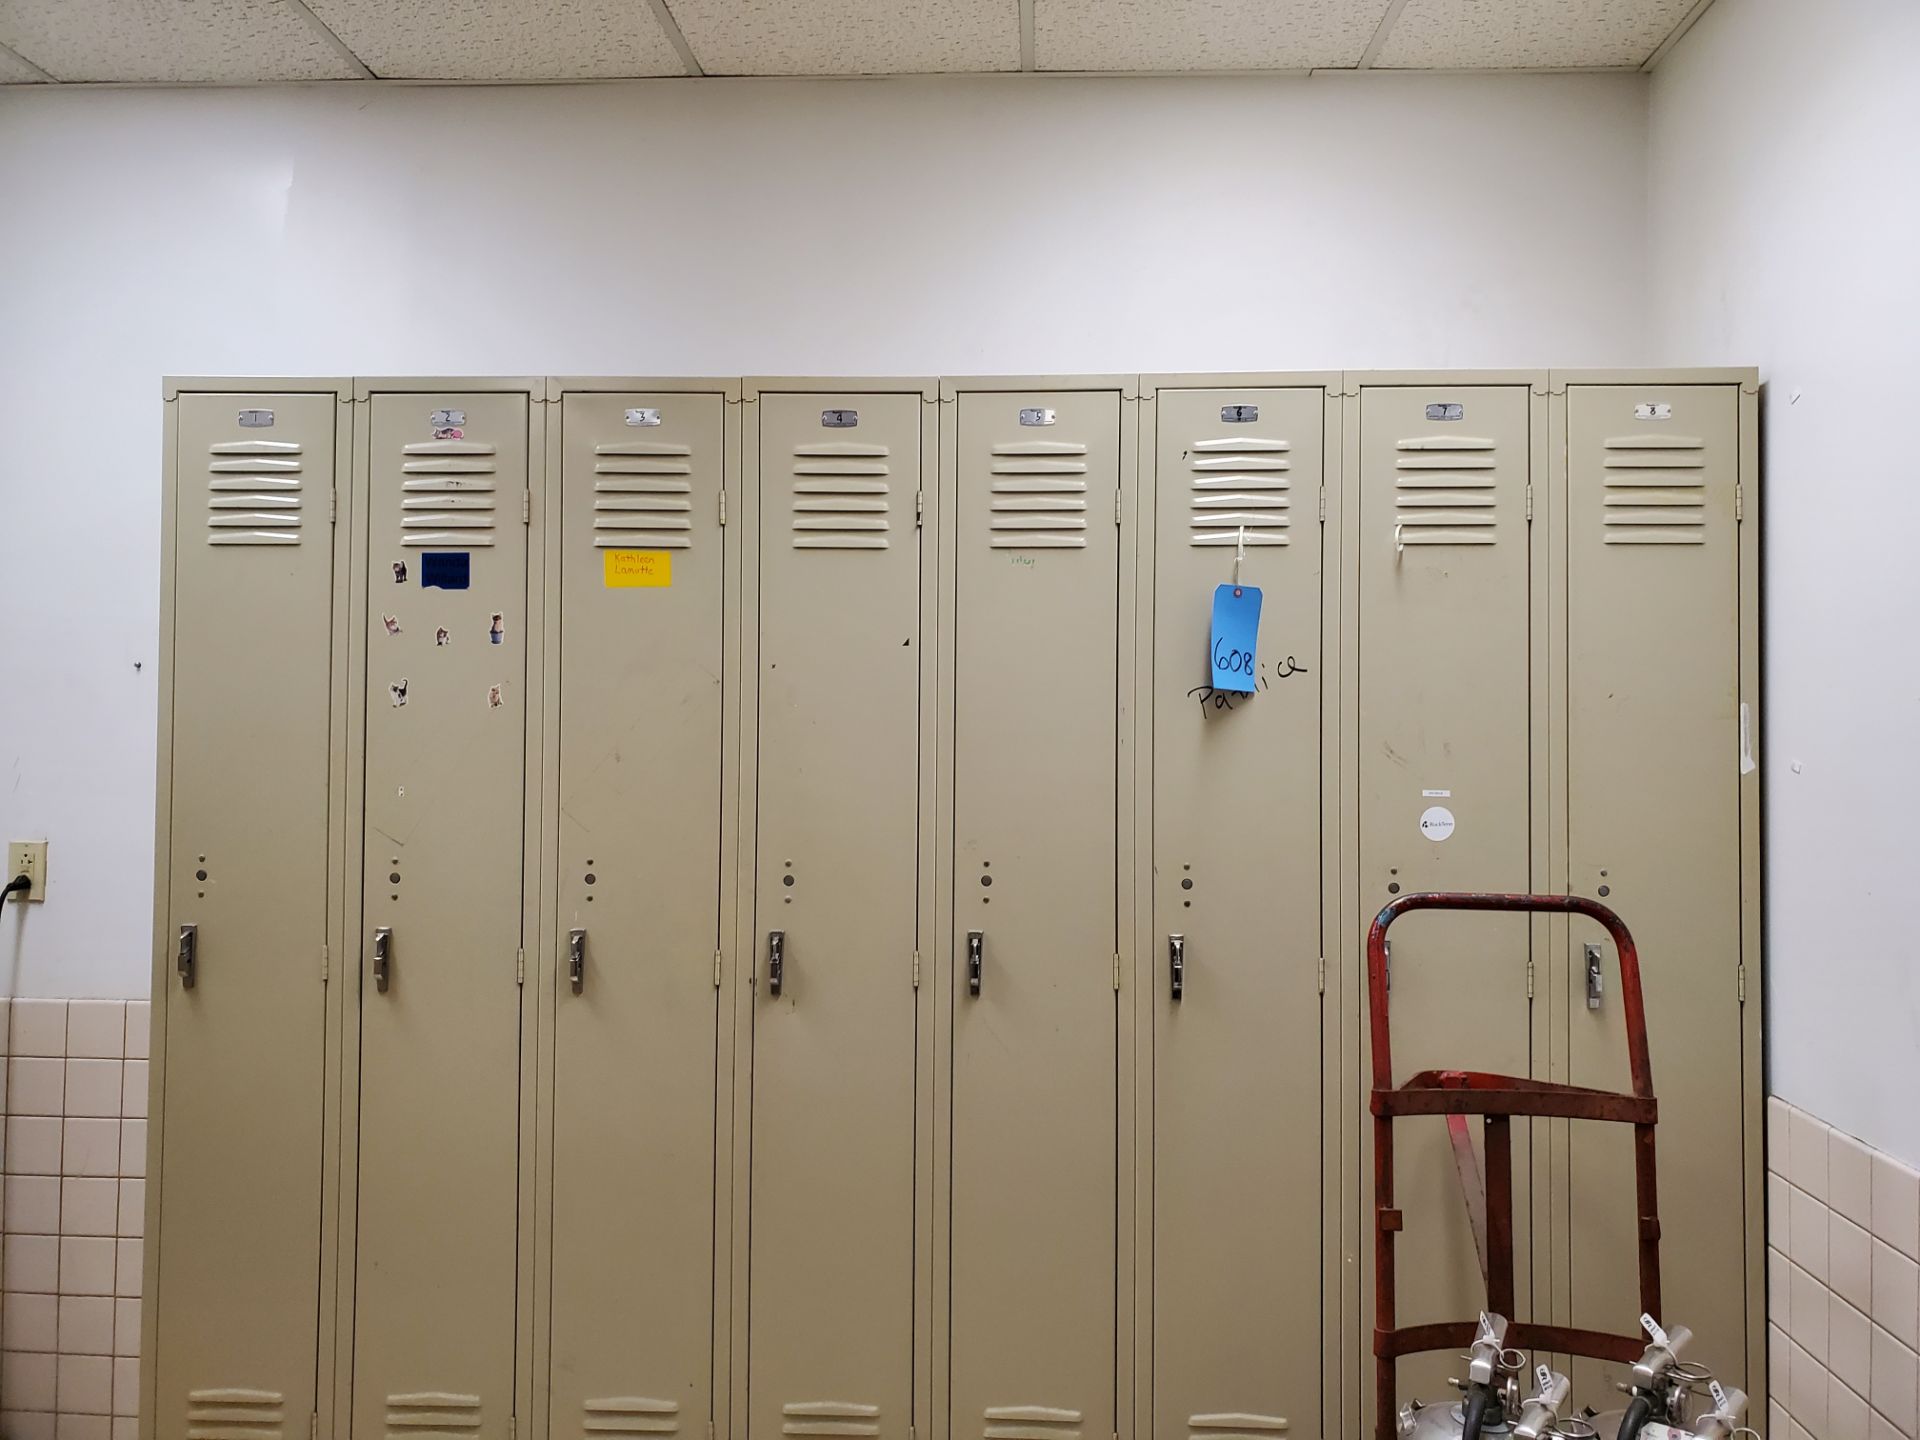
(1177,963)
(577,960)
(975,941)
(1595,982)
(776,960)
(187,960)
(382,957)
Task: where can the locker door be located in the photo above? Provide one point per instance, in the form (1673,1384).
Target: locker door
(640,760)
(439,1041)
(240,1170)
(831,1324)
(1236,820)
(1034,1058)
(1654,827)
(1444,789)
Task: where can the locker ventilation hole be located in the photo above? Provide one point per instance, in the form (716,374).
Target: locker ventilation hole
(840,496)
(1655,490)
(629,1415)
(829,1417)
(1031,1422)
(427,1414)
(1038,504)
(1444,491)
(643,496)
(1239,481)
(234,1414)
(448,494)
(255,493)
(1235,1427)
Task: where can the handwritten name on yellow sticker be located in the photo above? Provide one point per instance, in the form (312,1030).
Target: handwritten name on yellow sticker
(631,569)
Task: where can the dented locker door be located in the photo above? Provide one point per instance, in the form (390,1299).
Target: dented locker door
(440,1038)
(1444,791)
(1034,1050)
(248,842)
(1236,863)
(1653,758)
(636,1008)
(831,1324)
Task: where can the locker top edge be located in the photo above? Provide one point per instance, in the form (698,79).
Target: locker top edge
(727,385)
(1747,377)
(367,386)
(925,386)
(1241,380)
(952,386)
(173,386)
(1356,380)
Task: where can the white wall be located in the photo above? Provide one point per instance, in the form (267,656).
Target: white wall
(718,227)
(1784,209)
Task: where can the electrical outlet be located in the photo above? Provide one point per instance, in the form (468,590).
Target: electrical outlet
(27,857)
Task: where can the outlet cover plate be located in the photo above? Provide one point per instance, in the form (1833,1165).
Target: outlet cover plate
(28,857)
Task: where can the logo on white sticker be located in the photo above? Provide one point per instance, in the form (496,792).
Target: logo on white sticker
(1436,822)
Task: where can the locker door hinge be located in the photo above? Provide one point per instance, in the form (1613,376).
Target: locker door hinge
(1529,979)
(1529,521)
(723,507)
(1323,974)
(1116,507)
(919,507)
(1739,503)
(323,964)
(1323,504)
(526,507)
(333,506)
(1116,970)
(520,967)
(716,969)
(916,969)
(1741,982)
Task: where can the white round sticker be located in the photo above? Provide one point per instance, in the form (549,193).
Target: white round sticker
(1436,822)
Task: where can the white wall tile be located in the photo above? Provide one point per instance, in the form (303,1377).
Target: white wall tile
(81,1427)
(86,1325)
(86,1265)
(34,1085)
(1807,1383)
(89,1207)
(126,1327)
(1778,1211)
(39,1028)
(26,1424)
(97,1029)
(1850,1346)
(33,1145)
(1850,1261)
(133,1103)
(28,1380)
(30,1322)
(126,1385)
(1895,1374)
(1850,1179)
(90,1147)
(133,1209)
(1807,1319)
(126,1267)
(86,1385)
(139,1017)
(1807,1234)
(1779,1150)
(30,1205)
(93,1087)
(133,1148)
(1896,1294)
(1846,1413)
(31,1262)
(1779,1288)
(1807,1141)
(1896,1205)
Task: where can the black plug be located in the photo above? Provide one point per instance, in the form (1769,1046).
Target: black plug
(19,885)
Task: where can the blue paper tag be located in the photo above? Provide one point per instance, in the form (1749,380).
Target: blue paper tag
(445,570)
(1236,626)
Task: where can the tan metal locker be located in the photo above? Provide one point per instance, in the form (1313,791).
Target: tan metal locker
(638,936)
(1035,938)
(831,1326)
(247,885)
(1444,774)
(1653,823)
(446,679)
(1236,900)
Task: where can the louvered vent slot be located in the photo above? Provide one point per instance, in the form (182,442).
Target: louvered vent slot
(1039,496)
(432,1415)
(631,1415)
(829,1417)
(1235,1426)
(235,1414)
(449,494)
(1444,491)
(643,496)
(1239,486)
(1655,490)
(254,495)
(842,496)
(1031,1422)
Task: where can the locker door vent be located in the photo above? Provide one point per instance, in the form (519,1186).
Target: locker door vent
(1235,1427)
(1655,490)
(1037,504)
(829,1417)
(1239,482)
(629,1415)
(232,1414)
(449,494)
(840,495)
(432,1415)
(1031,1422)
(254,495)
(1444,488)
(643,496)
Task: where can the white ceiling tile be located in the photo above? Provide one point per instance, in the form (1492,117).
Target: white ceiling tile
(851,37)
(15,71)
(1527,34)
(1202,34)
(503,39)
(169,41)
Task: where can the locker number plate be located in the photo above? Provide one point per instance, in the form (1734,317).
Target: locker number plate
(1451,410)
(1659,410)
(256,419)
(1239,414)
(643,417)
(839,419)
(1033,415)
(442,419)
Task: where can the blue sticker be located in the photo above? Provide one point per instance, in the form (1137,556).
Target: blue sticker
(445,570)
(1236,625)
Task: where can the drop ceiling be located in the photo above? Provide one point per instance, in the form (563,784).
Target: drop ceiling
(228,42)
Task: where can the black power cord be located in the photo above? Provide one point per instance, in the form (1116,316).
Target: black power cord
(19,885)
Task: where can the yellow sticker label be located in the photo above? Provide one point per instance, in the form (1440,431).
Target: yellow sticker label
(631,569)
